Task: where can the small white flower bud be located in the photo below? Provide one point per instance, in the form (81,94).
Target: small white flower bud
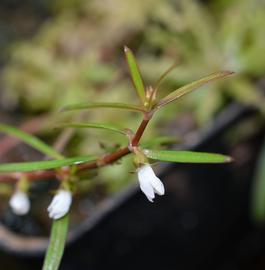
(19,203)
(60,204)
(149,182)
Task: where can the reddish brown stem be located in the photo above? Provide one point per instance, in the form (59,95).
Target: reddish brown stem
(103,161)
(139,132)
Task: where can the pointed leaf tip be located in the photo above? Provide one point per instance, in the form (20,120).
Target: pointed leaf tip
(135,74)
(229,159)
(186,156)
(186,89)
(225,73)
(229,72)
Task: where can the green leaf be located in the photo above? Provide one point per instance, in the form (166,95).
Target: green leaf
(163,140)
(135,74)
(57,243)
(31,140)
(190,87)
(43,165)
(258,190)
(164,75)
(93,125)
(186,156)
(94,105)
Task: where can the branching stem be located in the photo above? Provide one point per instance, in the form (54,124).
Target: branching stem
(102,161)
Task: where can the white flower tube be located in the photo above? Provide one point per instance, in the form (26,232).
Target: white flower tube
(60,204)
(149,182)
(19,203)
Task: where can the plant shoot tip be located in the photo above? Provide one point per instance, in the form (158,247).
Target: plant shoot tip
(126,49)
(229,72)
(229,159)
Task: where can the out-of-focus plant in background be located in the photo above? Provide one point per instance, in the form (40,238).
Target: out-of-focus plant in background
(74,55)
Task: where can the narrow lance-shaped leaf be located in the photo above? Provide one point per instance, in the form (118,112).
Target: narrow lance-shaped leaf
(43,165)
(135,74)
(159,141)
(57,243)
(31,140)
(108,127)
(95,105)
(163,76)
(190,87)
(186,156)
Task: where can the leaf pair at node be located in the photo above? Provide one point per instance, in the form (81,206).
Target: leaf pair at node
(148,95)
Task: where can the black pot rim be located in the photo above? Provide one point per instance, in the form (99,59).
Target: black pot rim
(25,246)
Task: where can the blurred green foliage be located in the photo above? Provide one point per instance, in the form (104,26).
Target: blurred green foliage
(77,54)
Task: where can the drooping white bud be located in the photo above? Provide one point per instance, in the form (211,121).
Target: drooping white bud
(19,203)
(60,204)
(149,182)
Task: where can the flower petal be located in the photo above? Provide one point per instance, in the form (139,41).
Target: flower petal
(19,202)
(150,183)
(150,199)
(147,189)
(157,185)
(60,204)
(145,185)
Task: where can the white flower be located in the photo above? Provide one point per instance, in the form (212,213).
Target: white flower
(149,183)
(60,204)
(19,203)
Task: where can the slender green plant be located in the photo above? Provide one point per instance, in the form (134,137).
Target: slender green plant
(67,169)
